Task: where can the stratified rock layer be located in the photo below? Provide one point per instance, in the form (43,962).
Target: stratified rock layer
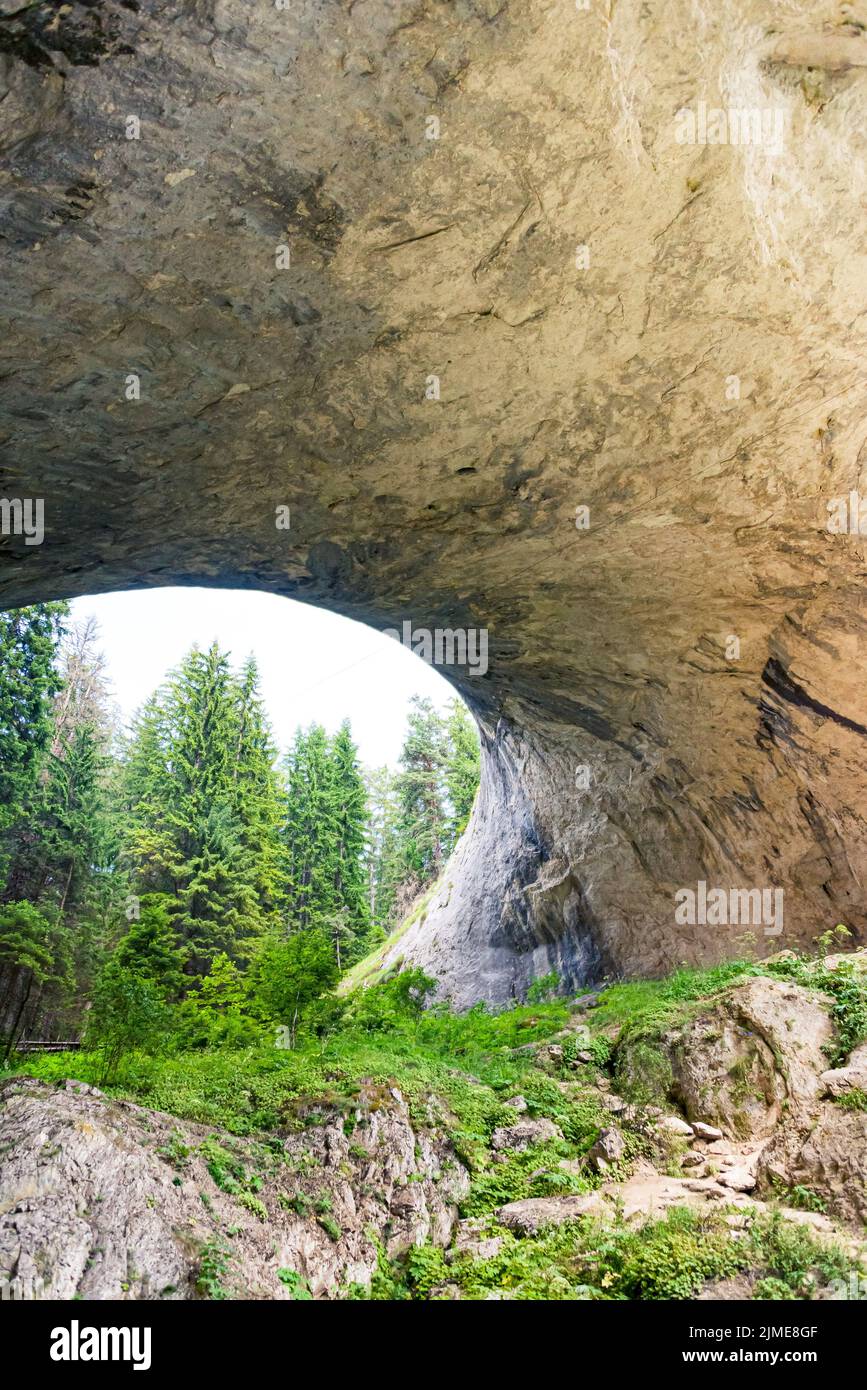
(668,334)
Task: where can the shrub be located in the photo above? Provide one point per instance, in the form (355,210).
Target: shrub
(543,987)
(296,1285)
(127,1013)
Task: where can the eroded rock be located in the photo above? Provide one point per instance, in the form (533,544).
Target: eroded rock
(103,1199)
(524,1134)
(759,1049)
(533,1214)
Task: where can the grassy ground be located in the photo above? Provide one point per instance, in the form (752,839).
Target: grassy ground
(467,1066)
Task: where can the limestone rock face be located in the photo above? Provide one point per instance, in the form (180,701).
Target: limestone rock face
(104,1199)
(437,277)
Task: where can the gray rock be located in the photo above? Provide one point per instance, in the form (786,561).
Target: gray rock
(738,1179)
(692,1160)
(101,1199)
(475,1249)
(524,1134)
(254,135)
(609,1148)
(851,1077)
(518,1103)
(673,1124)
(703,1131)
(533,1214)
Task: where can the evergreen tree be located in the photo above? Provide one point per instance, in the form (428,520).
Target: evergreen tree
(309,832)
(29,679)
(386,866)
(421,792)
(462,768)
(34,961)
(351,919)
(150,948)
(60,851)
(325,841)
(257,793)
(290,974)
(203,804)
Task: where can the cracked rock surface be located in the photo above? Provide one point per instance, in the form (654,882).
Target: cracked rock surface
(239,207)
(103,1199)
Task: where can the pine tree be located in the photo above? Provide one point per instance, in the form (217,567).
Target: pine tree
(29,679)
(257,792)
(309,833)
(386,864)
(421,791)
(325,841)
(351,912)
(418,814)
(150,948)
(462,768)
(60,855)
(203,804)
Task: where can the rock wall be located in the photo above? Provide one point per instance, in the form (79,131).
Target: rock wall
(437,277)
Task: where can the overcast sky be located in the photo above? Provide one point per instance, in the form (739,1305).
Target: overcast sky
(313,665)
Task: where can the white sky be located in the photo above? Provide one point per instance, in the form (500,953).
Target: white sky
(313,665)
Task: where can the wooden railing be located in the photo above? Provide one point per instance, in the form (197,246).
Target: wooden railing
(40,1045)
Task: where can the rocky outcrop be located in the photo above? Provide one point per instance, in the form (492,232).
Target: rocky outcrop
(842,1081)
(756,1056)
(101,1199)
(827,1159)
(756,1064)
(457,284)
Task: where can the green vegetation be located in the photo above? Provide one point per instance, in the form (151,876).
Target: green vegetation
(456,1072)
(175,888)
(667,1259)
(222,919)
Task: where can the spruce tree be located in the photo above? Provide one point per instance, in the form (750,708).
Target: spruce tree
(352,914)
(421,791)
(309,833)
(462,768)
(203,807)
(29,679)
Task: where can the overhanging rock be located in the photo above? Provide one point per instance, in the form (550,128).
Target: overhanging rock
(540,320)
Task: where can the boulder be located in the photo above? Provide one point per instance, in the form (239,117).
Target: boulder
(703,1131)
(532,1214)
(738,1179)
(692,1160)
(524,1134)
(851,1077)
(673,1124)
(827,1155)
(758,1049)
(609,1148)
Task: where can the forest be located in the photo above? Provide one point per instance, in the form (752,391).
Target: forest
(179,883)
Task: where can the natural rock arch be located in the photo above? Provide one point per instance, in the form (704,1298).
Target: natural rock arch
(665,333)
